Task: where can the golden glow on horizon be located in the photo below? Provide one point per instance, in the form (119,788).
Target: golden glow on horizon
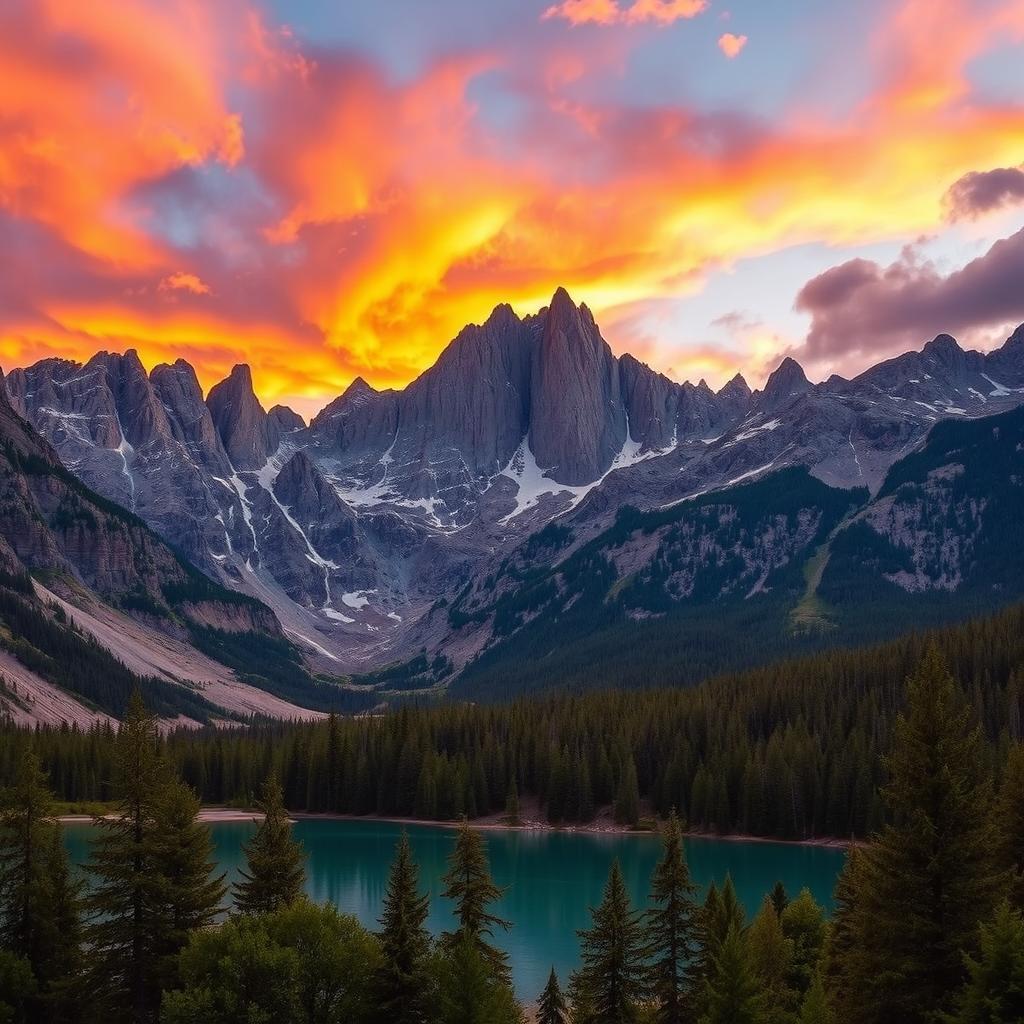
(395,215)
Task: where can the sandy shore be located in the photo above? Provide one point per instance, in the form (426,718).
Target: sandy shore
(603,825)
(496,823)
(208,814)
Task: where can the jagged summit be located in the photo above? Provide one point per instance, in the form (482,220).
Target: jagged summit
(388,500)
(249,435)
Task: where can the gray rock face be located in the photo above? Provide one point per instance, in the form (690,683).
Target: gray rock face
(189,419)
(354,526)
(249,435)
(577,416)
(286,419)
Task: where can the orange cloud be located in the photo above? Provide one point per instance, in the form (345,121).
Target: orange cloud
(354,222)
(731,44)
(183,281)
(609,12)
(96,97)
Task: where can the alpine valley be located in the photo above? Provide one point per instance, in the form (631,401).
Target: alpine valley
(531,511)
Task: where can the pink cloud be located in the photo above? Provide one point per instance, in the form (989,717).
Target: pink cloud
(731,44)
(609,12)
(182,281)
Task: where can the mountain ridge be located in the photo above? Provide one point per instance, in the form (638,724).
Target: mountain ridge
(354,526)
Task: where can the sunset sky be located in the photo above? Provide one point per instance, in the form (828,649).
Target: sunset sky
(326,189)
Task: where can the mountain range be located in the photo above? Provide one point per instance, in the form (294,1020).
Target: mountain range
(532,481)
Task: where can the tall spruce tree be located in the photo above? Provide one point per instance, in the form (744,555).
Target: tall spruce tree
(612,951)
(403,982)
(124,933)
(771,954)
(924,884)
(468,883)
(39,901)
(275,862)
(671,928)
(551,1007)
(994,992)
(732,994)
(191,894)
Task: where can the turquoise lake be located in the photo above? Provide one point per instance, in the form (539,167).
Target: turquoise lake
(552,878)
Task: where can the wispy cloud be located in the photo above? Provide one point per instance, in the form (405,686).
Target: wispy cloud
(611,12)
(182,281)
(731,44)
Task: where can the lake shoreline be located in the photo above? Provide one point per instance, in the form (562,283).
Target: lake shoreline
(496,823)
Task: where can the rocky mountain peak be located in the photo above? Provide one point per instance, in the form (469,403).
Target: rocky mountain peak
(358,389)
(577,417)
(943,345)
(1016,340)
(178,390)
(286,419)
(248,434)
(786,382)
(737,387)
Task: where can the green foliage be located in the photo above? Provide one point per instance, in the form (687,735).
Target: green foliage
(18,989)
(151,886)
(771,955)
(803,924)
(403,985)
(671,929)
(471,990)
(732,994)
(915,899)
(39,901)
(994,990)
(612,951)
(77,663)
(551,1007)
(274,664)
(304,964)
(791,751)
(275,863)
(469,885)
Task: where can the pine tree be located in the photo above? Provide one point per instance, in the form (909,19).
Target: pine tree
(612,952)
(469,884)
(1010,816)
(803,924)
(771,954)
(182,849)
(671,928)
(403,983)
(125,931)
(815,1008)
(551,1008)
(730,911)
(928,880)
(732,993)
(275,873)
(39,901)
(994,991)
(780,898)
(470,990)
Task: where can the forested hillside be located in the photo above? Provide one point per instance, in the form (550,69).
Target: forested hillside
(792,750)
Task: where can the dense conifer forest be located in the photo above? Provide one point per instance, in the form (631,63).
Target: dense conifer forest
(928,925)
(790,751)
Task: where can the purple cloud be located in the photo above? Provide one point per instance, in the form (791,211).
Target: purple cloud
(861,308)
(982,191)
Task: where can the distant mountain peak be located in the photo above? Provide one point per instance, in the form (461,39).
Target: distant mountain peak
(943,345)
(249,436)
(787,380)
(737,386)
